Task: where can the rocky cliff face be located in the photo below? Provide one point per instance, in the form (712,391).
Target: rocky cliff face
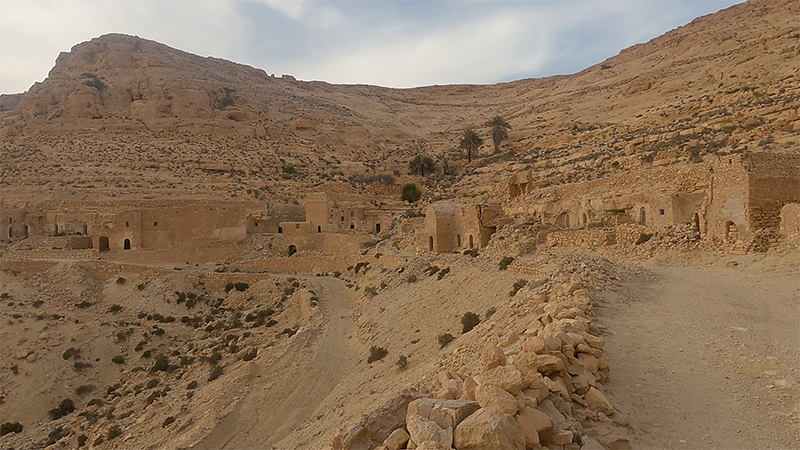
(729,80)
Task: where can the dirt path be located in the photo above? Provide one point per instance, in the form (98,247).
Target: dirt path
(291,387)
(707,356)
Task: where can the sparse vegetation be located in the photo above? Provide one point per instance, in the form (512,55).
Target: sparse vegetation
(519,284)
(216,371)
(114,432)
(421,165)
(643,237)
(445,339)
(500,129)
(410,193)
(505,262)
(168,421)
(471,142)
(489,313)
(65,407)
(9,427)
(376,354)
(468,321)
(402,362)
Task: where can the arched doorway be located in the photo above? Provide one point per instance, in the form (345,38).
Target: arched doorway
(126,244)
(696,222)
(731,232)
(458,240)
(471,243)
(104,244)
(280,229)
(319,229)
(585,218)
(292,250)
(85,230)
(430,243)
(10,233)
(377,228)
(642,216)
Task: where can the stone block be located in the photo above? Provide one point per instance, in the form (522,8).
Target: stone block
(489,430)
(507,378)
(597,401)
(495,399)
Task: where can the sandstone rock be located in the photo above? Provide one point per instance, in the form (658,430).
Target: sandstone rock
(492,357)
(489,430)
(558,419)
(531,433)
(21,353)
(433,445)
(597,401)
(495,399)
(550,363)
(507,378)
(446,413)
(535,345)
(31,358)
(540,420)
(590,444)
(375,427)
(468,389)
(397,440)
(450,391)
(526,362)
(421,429)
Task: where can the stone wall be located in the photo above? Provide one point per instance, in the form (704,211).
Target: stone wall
(790,224)
(581,238)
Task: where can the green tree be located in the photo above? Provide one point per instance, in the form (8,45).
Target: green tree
(471,142)
(421,165)
(499,130)
(410,193)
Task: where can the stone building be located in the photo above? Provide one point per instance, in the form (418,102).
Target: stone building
(454,227)
(735,200)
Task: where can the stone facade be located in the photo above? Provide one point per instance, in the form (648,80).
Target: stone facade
(452,227)
(735,200)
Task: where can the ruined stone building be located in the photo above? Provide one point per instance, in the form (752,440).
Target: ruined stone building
(735,200)
(454,227)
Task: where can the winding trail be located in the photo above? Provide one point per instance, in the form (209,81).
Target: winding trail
(293,385)
(707,357)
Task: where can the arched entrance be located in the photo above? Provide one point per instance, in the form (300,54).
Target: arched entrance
(458,240)
(585,218)
(104,244)
(642,216)
(280,229)
(377,228)
(319,229)
(430,243)
(731,232)
(471,243)
(126,244)
(10,233)
(292,250)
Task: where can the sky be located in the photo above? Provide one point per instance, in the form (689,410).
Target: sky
(393,43)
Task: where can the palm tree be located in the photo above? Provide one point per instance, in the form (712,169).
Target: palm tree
(499,130)
(470,142)
(421,164)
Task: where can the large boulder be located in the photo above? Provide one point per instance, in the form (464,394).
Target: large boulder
(598,402)
(496,399)
(489,430)
(507,378)
(446,413)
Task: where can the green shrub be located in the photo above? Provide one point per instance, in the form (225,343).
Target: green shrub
(504,263)
(121,280)
(119,359)
(410,193)
(152,383)
(56,435)
(376,354)
(469,320)
(445,339)
(443,272)
(471,252)
(411,279)
(65,407)
(161,364)
(402,362)
(192,385)
(489,312)
(216,371)
(241,287)
(9,427)
(114,308)
(84,389)
(168,421)
(82,440)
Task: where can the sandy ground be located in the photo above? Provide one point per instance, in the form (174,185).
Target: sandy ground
(704,353)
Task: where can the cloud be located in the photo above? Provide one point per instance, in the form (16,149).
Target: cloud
(398,43)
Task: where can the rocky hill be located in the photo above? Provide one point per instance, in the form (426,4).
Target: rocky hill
(120,112)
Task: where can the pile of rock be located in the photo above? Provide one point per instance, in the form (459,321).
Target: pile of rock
(535,383)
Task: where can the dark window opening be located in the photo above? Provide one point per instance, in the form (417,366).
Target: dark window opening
(297,226)
(377,228)
(319,229)
(280,230)
(155,224)
(471,243)
(660,212)
(458,240)
(292,250)
(342,218)
(104,247)
(430,243)
(352,227)
(127,244)
(127,224)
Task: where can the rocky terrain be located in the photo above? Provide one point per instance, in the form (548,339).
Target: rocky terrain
(667,344)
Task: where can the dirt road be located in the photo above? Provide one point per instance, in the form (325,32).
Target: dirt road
(707,356)
(296,383)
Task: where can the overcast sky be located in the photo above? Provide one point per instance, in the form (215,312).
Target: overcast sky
(395,43)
